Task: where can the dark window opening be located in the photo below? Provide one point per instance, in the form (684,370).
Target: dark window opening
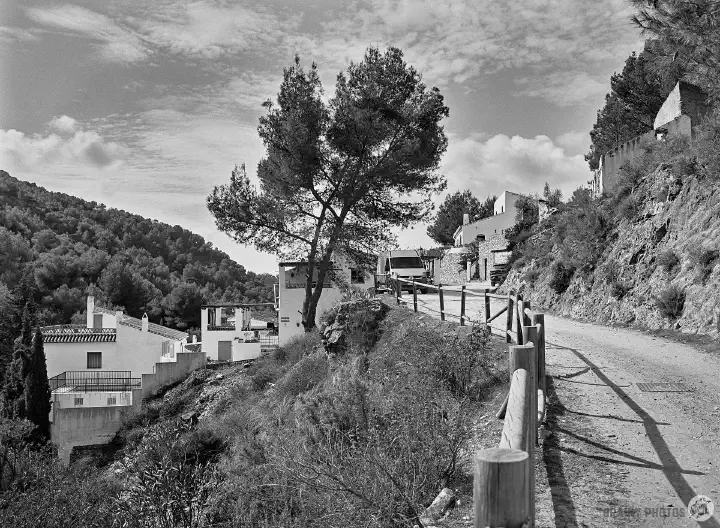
(94,360)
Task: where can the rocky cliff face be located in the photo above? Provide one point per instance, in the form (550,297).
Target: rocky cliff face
(672,241)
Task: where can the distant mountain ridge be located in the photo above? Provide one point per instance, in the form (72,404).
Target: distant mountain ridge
(72,247)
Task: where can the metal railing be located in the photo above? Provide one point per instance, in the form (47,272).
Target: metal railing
(268,341)
(90,381)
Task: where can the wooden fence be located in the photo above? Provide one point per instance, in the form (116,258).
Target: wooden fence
(504,487)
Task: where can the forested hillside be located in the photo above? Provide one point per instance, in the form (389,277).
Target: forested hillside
(65,247)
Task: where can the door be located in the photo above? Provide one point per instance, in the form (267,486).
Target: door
(97,321)
(224,350)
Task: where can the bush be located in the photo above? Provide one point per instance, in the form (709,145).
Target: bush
(619,289)
(297,347)
(704,261)
(668,260)
(531,276)
(671,301)
(629,207)
(560,276)
(304,375)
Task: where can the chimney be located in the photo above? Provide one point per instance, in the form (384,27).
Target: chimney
(466,219)
(89,311)
(145,323)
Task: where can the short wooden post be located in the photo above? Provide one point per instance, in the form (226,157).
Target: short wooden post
(519,306)
(375,281)
(530,336)
(487,307)
(414,295)
(527,321)
(396,283)
(500,491)
(538,321)
(509,323)
(462,306)
(442,302)
(523,357)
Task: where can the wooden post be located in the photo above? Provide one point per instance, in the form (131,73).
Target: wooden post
(414,295)
(515,431)
(527,321)
(500,491)
(523,357)
(487,308)
(462,306)
(442,302)
(509,323)
(539,319)
(530,336)
(518,317)
(375,281)
(396,283)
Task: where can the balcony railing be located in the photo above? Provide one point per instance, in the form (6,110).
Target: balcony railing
(224,327)
(89,381)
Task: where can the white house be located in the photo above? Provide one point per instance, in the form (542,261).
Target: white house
(291,292)
(502,220)
(229,333)
(110,341)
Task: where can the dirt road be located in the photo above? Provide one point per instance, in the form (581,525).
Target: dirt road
(618,456)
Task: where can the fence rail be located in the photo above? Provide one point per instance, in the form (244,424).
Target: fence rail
(89,381)
(504,487)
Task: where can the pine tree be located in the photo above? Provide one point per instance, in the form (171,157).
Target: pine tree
(13,401)
(37,388)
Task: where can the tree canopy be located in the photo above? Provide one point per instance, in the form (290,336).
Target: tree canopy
(685,38)
(55,247)
(338,175)
(450,214)
(636,95)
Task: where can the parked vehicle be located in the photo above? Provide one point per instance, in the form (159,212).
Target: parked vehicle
(403,264)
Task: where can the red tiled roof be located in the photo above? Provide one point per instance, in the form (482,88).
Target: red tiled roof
(77,334)
(153,328)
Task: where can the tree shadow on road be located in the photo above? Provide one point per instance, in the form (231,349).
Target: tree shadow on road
(668,463)
(563,506)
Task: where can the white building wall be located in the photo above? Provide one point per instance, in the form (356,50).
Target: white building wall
(66,400)
(291,302)
(137,351)
(73,356)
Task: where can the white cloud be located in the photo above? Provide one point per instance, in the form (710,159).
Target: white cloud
(501,163)
(208,30)
(81,151)
(574,141)
(115,42)
(564,88)
(63,123)
(14,34)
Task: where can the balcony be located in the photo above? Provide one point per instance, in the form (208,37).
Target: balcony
(89,381)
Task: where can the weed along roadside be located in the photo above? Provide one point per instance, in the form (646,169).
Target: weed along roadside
(504,476)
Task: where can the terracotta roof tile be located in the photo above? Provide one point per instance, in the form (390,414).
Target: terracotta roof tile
(77,334)
(153,328)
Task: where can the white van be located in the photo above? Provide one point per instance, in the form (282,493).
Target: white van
(403,264)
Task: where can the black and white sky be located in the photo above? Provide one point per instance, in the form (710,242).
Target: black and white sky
(145,106)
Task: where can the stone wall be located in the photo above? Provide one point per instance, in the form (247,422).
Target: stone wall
(450,271)
(486,262)
(611,162)
(168,373)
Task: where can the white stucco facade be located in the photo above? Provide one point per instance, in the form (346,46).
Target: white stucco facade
(229,333)
(291,294)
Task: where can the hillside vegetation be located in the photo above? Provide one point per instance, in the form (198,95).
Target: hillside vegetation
(66,244)
(364,436)
(647,255)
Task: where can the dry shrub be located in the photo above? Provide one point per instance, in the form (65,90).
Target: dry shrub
(671,301)
(560,276)
(304,375)
(668,260)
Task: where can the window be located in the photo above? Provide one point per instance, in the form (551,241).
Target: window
(94,360)
(78,401)
(112,400)
(357,276)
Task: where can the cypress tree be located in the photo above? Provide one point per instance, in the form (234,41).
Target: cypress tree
(13,400)
(37,388)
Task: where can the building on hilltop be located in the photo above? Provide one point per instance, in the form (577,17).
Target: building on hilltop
(682,110)
(230,333)
(489,233)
